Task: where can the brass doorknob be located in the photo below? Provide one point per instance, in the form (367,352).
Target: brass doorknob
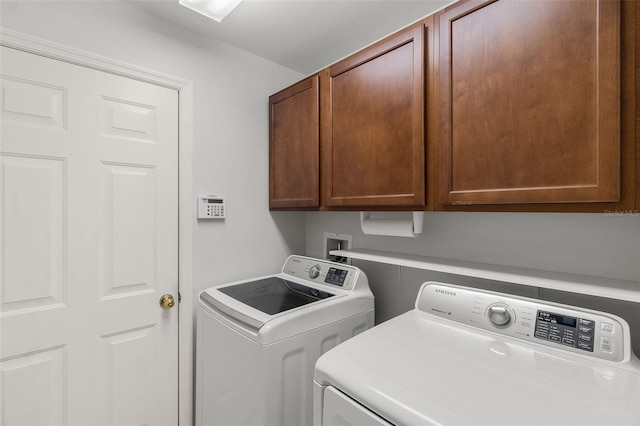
(167,301)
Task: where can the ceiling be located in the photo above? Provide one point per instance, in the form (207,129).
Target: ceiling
(303,35)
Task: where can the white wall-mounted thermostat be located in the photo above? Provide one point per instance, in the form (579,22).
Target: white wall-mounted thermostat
(211,207)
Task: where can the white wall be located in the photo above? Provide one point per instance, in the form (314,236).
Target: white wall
(231,89)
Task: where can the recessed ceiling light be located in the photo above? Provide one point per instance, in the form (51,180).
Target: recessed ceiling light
(214,9)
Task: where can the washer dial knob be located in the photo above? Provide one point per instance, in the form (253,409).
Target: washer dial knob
(314,271)
(499,315)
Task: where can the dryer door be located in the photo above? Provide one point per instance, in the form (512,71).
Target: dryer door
(339,409)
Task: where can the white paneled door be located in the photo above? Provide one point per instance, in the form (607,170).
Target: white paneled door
(89,245)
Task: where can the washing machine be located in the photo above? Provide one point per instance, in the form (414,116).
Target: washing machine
(258,340)
(470,357)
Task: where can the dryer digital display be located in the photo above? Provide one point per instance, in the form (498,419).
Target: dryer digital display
(563,330)
(557,319)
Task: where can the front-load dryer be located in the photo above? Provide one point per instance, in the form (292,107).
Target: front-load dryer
(258,340)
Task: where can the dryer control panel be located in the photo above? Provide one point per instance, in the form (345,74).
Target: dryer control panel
(570,328)
(571,331)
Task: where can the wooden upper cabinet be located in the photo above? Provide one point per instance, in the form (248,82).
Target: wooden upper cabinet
(372,113)
(529,98)
(294,150)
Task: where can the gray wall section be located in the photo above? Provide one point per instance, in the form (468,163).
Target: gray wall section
(395,289)
(585,244)
(596,245)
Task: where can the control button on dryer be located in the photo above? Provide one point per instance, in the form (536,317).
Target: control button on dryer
(587,323)
(585,346)
(586,330)
(543,325)
(606,344)
(541,334)
(606,326)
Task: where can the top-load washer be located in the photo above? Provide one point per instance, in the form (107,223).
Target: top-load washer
(258,340)
(471,357)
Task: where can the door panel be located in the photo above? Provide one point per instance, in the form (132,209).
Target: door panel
(129,361)
(89,235)
(33,232)
(38,378)
(127,237)
(31,103)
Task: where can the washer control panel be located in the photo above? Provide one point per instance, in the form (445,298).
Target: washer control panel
(565,327)
(324,272)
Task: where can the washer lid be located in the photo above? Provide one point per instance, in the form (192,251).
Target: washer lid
(300,308)
(308,294)
(418,369)
(273,295)
(256,302)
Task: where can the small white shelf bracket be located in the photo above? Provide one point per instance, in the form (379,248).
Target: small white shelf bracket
(392,227)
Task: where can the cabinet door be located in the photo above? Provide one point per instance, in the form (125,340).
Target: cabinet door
(372,125)
(294,157)
(530,102)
